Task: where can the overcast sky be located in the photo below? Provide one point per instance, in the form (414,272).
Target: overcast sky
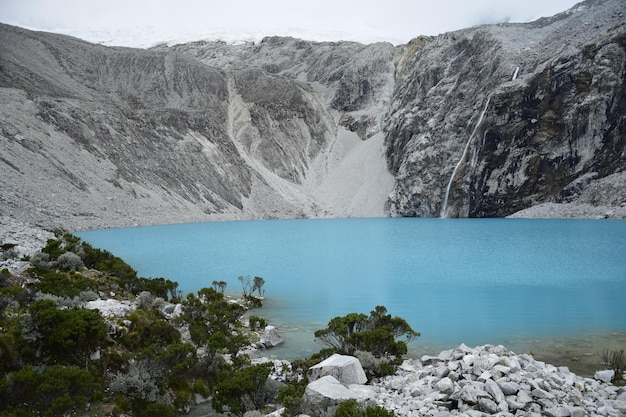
(396,21)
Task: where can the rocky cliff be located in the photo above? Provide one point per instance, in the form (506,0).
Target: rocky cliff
(491,120)
(485,121)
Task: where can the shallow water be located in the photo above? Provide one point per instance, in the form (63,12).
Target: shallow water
(472,281)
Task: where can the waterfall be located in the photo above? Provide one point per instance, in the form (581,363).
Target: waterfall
(444,206)
(515,74)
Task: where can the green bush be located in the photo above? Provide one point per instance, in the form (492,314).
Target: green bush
(257,322)
(376,334)
(106,262)
(351,408)
(69,261)
(213,322)
(67,336)
(41,261)
(290,397)
(243,390)
(63,284)
(54,391)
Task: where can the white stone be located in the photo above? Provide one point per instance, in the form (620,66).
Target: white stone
(111,307)
(445,385)
(558,412)
(364,391)
(494,390)
(509,387)
(605,375)
(487,405)
(346,369)
(524,397)
(271,337)
(328,388)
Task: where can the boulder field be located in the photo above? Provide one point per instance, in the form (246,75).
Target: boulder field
(464,381)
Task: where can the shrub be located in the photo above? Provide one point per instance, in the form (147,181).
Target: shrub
(70,261)
(41,260)
(243,390)
(615,360)
(58,390)
(140,382)
(67,336)
(351,408)
(257,322)
(291,397)
(376,334)
(63,284)
(213,321)
(106,262)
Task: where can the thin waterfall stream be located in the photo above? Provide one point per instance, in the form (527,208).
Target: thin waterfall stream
(444,206)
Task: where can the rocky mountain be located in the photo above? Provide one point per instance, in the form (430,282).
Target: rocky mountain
(491,120)
(486,121)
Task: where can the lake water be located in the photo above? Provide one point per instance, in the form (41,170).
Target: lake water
(472,281)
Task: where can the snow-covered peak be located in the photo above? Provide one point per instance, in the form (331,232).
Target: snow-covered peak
(146,37)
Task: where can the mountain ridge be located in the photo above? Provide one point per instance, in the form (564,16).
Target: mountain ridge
(97,136)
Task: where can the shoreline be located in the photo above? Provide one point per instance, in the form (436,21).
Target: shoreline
(579,353)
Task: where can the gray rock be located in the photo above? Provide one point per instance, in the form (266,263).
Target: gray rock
(558,412)
(509,387)
(605,375)
(494,390)
(271,337)
(487,405)
(472,393)
(445,385)
(541,394)
(328,388)
(346,369)
(524,397)
(514,404)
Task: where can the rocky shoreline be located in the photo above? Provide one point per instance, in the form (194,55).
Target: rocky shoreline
(464,381)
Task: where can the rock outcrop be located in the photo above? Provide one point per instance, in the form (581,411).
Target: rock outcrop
(495,119)
(485,121)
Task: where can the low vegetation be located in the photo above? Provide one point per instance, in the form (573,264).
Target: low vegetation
(378,340)
(60,358)
(616,361)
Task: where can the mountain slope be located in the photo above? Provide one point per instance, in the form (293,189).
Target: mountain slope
(133,137)
(481,122)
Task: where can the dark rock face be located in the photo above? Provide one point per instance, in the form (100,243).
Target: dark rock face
(480,122)
(517,114)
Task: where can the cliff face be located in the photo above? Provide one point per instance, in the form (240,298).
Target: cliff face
(495,119)
(480,122)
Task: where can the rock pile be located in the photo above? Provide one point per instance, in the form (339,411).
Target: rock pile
(494,380)
(486,380)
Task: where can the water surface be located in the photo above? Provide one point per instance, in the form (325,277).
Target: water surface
(472,281)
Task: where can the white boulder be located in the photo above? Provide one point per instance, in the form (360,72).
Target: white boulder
(111,307)
(271,337)
(605,376)
(328,388)
(346,369)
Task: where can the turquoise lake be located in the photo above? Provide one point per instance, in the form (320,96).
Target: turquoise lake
(472,281)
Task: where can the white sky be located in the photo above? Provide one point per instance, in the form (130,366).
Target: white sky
(134,22)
